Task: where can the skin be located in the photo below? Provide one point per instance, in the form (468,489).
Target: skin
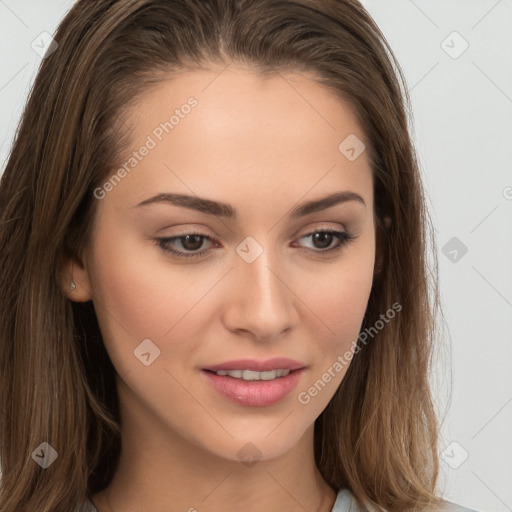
(262,146)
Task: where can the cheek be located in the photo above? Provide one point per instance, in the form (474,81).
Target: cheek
(339,296)
(339,300)
(137,296)
(344,301)
(342,305)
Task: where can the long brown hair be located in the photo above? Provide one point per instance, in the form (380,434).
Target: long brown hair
(378,435)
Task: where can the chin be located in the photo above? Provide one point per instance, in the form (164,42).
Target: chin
(259,443)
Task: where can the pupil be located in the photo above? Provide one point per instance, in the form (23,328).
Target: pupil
(326,237)
(195,246)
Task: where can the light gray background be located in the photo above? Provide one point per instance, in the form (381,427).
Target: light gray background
(462,107)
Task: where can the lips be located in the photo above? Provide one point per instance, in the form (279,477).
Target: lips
(255,393)
(277,363)
(268,382)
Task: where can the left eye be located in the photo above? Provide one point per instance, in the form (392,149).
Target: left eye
(194,241)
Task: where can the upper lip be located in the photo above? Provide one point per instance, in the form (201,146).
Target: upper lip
(278,363)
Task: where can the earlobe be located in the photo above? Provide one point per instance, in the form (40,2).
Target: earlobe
(74,280)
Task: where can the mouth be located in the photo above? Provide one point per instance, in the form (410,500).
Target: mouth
(254,384)
(278,364)
(250,375)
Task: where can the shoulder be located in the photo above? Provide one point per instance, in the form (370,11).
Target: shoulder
(345,502)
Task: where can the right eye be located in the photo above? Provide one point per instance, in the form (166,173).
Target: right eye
(189,242)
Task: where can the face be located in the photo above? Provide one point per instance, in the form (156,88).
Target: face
(239,275)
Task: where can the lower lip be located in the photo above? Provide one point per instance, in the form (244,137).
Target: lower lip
(254,393)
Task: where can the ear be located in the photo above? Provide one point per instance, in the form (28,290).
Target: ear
(73,270)
(382,229)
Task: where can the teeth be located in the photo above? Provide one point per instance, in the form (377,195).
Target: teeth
(252,375)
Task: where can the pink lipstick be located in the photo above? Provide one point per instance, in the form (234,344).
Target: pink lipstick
(253,383)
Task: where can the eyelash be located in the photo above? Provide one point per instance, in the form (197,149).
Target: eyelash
(344,237)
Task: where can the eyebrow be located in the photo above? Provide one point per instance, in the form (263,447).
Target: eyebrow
(220,209)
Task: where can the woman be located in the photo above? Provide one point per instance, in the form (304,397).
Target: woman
(213,267)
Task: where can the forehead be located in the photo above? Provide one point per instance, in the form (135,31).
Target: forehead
(236,97)
(230,125)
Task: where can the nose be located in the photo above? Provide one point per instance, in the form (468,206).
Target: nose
(260,300)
